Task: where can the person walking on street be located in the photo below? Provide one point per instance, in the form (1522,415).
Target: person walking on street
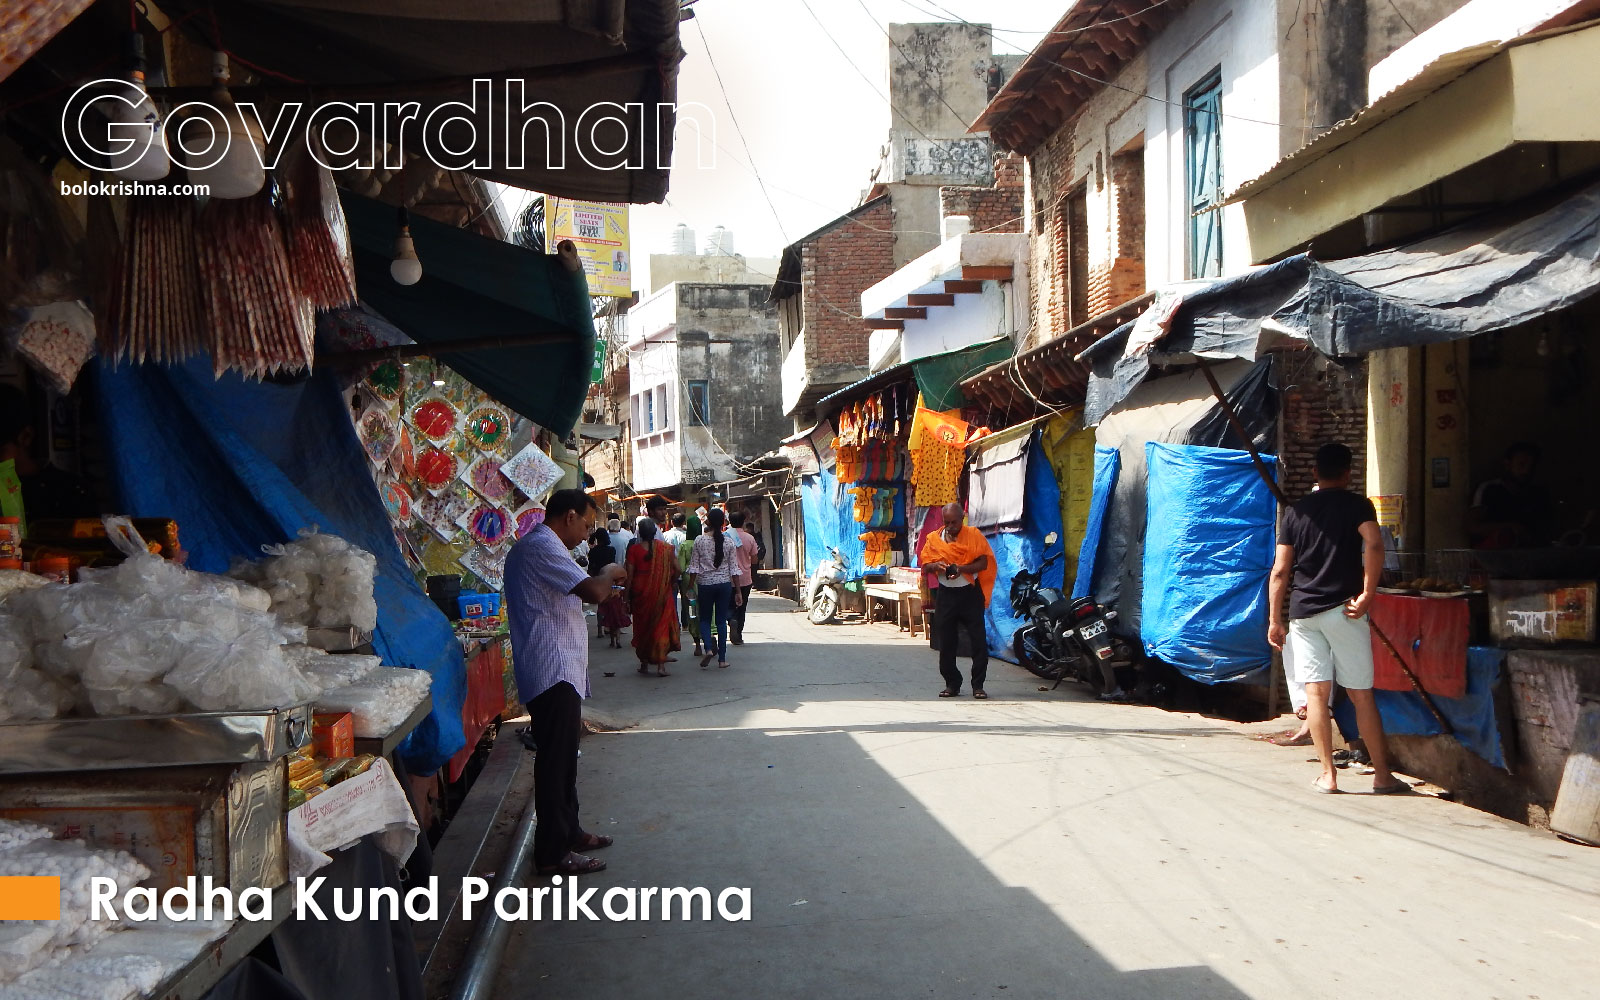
(1329,561)
(545,594)
(960,559)
(677,532)
(613,611)
(652,588)
(743,575)
(712,563)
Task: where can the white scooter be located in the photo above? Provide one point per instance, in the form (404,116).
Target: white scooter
(822,591)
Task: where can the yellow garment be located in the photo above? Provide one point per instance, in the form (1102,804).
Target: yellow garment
(880,551)
(938,454)
(847,460)
(1070,448)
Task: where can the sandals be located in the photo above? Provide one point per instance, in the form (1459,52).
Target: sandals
(644,668)
(1319,787)
(592,842)
(949,693)
(1290,740)
(574,864)
(661,671)
(981,694)
(1398,788)
(722,665)
(705,661)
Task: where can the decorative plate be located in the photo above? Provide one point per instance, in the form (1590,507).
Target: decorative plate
(488,427)
(489,526)
(486,478)
(385,381)
(397,501)
(377,435)
(434,418)
(435,468)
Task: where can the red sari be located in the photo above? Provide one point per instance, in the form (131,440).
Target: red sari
(655,614)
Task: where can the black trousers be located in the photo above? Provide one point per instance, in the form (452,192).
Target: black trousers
(740,608)
(961,607)
(555,718)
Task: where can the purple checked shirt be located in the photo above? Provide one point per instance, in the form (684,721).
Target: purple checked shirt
(549,638)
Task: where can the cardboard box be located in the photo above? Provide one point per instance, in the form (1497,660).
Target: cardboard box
(333,734)
(1542,613)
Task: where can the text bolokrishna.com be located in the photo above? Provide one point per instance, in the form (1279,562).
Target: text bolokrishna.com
(561,899)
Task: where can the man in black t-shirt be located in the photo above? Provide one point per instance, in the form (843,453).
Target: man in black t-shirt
(1330,557)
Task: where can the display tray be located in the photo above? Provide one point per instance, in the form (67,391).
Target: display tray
(336,638)
(127,741)
(384,746)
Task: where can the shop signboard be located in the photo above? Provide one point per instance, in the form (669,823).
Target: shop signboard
(600,232)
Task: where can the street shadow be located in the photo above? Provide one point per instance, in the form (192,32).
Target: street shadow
(857,889)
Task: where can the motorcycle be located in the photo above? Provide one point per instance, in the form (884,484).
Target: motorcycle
(1066,638)
(822,590)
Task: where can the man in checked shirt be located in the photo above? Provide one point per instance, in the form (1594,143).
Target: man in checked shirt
(545,594)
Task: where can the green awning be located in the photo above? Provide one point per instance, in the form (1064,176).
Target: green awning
(939,377)
(474,288)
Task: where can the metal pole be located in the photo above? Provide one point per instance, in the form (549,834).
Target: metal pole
(488,945)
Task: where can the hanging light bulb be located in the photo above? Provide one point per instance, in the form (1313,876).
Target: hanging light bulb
(405,269)
(137,127)
(239,171)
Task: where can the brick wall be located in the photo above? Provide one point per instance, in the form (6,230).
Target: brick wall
(996,209)
(835,268)
(1319,406)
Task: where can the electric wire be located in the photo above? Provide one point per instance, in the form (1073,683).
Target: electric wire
(739,129)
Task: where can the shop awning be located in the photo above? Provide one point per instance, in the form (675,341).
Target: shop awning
(473,290)
(1048,377)
(938,377)
(1459,111)
(1492,275)
(575,55)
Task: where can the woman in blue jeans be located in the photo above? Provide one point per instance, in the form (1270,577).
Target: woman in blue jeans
(712,564)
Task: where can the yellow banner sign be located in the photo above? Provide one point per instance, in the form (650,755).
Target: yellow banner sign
(600,232)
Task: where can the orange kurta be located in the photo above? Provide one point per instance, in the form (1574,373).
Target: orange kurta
(969,545)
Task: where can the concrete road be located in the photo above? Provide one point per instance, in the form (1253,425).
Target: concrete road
(1034,845)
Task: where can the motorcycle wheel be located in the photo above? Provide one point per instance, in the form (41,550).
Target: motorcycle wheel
(824,606)
(1026,647)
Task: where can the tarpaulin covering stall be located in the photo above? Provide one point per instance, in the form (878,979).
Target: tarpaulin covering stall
(1107,467)
(1471,716)
(1206,562)
(1025,548)
(1476,278)
(474,287)
(830,523)
(240,464)
(1177,409)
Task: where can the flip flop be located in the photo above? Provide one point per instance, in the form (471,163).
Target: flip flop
(705,661)
(1398,788)
(1319,787)
(948,693)
(981,694)
(1290,740)
(574,864)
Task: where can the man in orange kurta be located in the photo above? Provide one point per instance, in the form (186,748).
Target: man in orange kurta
(962,564)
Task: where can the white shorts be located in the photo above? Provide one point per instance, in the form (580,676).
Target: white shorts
(1331,647)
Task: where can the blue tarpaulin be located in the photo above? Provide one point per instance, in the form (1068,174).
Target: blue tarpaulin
(1471,716)
(830,521)
(1107,464)
(1025,548)
(1206,562)
(240,464)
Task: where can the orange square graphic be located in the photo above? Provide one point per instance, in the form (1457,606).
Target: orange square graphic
(30,897)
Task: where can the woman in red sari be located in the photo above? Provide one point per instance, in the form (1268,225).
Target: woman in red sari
(652,590)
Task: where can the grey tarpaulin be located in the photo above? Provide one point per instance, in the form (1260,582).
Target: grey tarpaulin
(1475,278)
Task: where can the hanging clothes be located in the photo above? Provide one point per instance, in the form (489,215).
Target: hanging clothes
(938,452)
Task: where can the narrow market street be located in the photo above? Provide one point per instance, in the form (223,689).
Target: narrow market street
(1035,845)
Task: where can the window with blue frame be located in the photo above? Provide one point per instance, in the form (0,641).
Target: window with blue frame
(1202,156)
(699,402)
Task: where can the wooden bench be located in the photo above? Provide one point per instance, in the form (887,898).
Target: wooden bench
(903,586)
